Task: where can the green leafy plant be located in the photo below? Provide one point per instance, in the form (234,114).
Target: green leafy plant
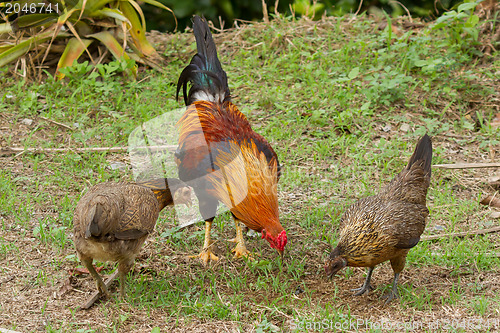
(36,30)
(312,10)
(462,23)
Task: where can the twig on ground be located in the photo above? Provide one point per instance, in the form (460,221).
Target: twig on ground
(486,254)
(7,151)
(461,234)
(57,123)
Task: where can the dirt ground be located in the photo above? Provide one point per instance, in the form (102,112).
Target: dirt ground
(31,307)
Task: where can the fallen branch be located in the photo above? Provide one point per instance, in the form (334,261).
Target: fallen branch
(7,151)
(485,254)
(95,296)
(57,123)
(461,234)
(467,165)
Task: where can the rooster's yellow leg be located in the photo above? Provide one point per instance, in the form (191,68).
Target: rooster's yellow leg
(206,254)
(240,250)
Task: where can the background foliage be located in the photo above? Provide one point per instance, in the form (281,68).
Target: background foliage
(229,10)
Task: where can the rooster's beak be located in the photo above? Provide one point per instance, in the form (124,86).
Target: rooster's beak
(281,254)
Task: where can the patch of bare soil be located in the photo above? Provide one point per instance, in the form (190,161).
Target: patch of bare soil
(37,289)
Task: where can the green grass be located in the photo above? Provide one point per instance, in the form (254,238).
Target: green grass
(333,98)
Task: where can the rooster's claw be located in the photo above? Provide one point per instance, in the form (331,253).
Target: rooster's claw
(206,256)
(241,251)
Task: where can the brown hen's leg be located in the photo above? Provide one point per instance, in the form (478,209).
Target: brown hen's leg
(123,268)
(366,287)
(240,250)
(206,254)
(100,284)
(397,264)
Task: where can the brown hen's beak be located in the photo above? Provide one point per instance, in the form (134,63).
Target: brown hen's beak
(183,196)
(332,266)
(329,269)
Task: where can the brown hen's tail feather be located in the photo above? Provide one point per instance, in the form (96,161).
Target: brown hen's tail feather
(92,221)
(411,184)
(423,152)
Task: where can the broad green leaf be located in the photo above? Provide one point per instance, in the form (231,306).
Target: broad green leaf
(421,63)
(111,43)
(113,46)
(138,11)
(75,33)
(466,6)
(472,21)
(65,16)
(108,12)
(33,20)
(72,52)
(353,73)
(5,28)
(160,5)
(137,30)
(23,47)
(94,5)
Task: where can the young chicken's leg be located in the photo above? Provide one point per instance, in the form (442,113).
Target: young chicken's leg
(240,250)
(394,291)
(100,284)
(206,254)
(397,264)
(123,268)
(366,287)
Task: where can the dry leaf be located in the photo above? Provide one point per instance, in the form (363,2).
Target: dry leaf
(65,288)
(491,200)
(495,122)
(495,215)
(494,181)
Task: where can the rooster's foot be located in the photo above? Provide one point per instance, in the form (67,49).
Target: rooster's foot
(206,256)
(241,251)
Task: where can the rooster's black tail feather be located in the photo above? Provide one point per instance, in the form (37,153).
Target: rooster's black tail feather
(204,72)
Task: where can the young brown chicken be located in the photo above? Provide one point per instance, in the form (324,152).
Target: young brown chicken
(387,225)
(112,221)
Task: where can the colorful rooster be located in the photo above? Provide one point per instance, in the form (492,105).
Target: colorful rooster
(220,155)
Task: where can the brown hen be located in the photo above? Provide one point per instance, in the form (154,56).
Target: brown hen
(112,221)
(387,225)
